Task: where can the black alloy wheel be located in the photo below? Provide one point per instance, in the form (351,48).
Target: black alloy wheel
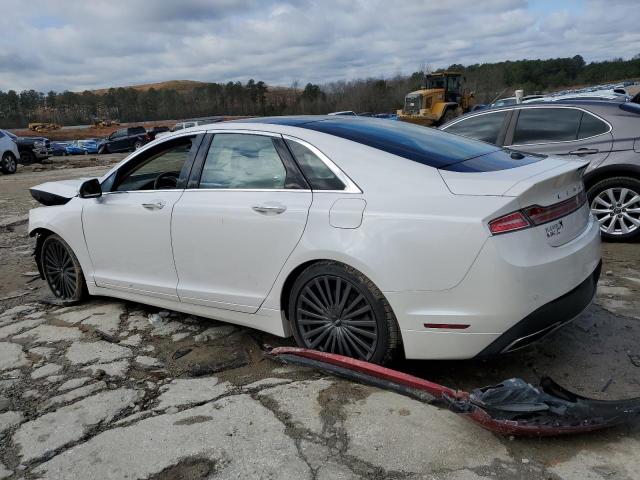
(337,309)
(62,270)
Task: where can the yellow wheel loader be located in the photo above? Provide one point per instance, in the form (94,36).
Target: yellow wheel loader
(441,100)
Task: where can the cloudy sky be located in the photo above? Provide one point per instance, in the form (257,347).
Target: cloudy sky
(86,44)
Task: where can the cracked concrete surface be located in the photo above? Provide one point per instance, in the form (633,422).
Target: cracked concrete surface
(114,390)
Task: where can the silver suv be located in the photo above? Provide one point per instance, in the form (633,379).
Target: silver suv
(606,133)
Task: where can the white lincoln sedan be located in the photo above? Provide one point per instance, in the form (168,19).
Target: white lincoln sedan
(357,236)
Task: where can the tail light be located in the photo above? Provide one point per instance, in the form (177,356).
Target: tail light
(147,137)
(536,215)
(509,223)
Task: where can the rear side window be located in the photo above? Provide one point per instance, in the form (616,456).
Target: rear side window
(591,126)
(485,127)
(319,176)
(540,125)
(243,161)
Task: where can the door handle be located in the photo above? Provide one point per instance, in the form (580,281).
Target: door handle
(155,205)
(584,151)
(269,209)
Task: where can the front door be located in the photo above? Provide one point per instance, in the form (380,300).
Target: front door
(127,230)
(233,233)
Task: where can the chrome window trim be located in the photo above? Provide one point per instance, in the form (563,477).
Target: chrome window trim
(474,115)
(530,107)
(561,141)
(350,185)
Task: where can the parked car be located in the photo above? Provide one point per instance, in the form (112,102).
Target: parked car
(9,153)
(32,149)
(124,140)
(605,133)
(357,235)
(73,148)
(153,131)
(503,102)
(389,116)
(57,149)
(89,145)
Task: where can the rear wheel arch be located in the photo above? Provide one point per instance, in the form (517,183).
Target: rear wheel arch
(603,173)
(388,329)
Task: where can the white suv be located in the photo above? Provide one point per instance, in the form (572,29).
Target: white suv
(9,154)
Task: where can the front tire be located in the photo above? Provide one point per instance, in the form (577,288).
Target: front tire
(335,308)
(27,157)
(62,270)
(8,164)
(616,204)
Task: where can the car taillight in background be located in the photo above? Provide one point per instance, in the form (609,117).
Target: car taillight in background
(536,215)
(147,138)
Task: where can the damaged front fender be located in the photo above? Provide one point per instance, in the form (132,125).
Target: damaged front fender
(513,407)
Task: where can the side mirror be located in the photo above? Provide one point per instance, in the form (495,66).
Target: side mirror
(91,189)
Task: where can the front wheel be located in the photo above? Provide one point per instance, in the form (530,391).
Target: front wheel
(27,157)
(335,308)
(62,270)
(616,204)
(8,164)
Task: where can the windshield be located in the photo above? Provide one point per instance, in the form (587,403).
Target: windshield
(435,82)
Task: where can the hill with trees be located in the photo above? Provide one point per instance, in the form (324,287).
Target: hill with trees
(183,98)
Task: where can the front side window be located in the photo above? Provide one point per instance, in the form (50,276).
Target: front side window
(485,127)
(317,173)
(157,168)
(243,161)
(540,125)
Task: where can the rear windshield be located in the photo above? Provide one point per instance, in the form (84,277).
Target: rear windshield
(420,144)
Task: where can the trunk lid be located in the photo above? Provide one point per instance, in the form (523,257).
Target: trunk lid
(545,183)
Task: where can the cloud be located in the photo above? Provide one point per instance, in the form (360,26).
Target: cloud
(79,44)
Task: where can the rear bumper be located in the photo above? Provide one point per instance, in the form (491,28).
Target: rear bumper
(547,318)
(516,284)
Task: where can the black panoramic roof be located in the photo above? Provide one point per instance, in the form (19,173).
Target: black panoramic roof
(420,144)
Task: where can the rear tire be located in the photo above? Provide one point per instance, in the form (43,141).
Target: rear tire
(615,202)
(62,270)
(137,145)
(335,308)
(8,164)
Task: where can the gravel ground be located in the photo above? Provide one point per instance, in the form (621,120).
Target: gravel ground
(114,390)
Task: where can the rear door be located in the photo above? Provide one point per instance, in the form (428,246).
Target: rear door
(241,218)
(564,131)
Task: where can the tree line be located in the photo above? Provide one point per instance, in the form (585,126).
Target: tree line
(488,81)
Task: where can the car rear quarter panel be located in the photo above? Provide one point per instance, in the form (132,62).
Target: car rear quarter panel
(415,235)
